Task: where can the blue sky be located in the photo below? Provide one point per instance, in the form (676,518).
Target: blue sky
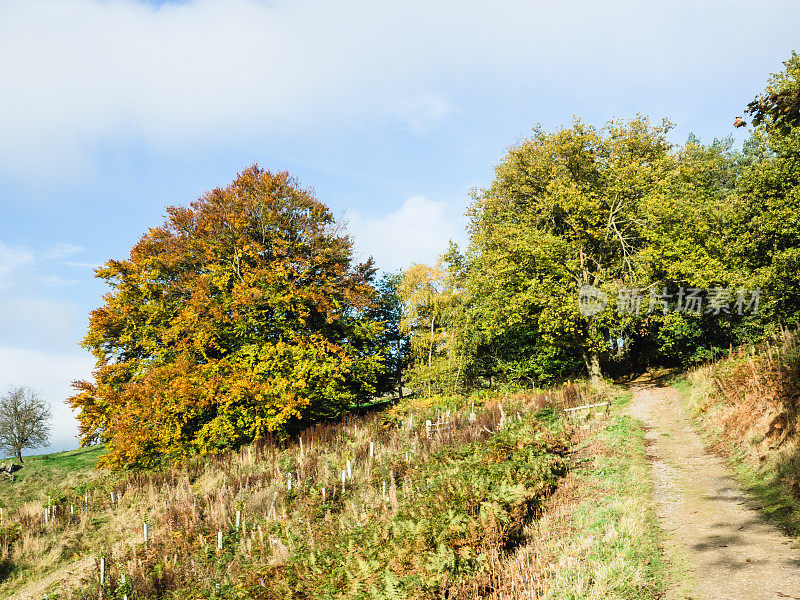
(111,110)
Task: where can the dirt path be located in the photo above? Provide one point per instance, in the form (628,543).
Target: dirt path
(72,572)
(731,553)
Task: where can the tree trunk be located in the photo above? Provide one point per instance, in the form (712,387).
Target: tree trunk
(592,361)
(430,355)
(19,456)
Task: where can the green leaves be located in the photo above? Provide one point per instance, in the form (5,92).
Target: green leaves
(778,108)
(566,209)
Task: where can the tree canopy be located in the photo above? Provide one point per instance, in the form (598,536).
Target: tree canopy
(566,209)
(241,314)
(244,313)
(762,231)
(636,219)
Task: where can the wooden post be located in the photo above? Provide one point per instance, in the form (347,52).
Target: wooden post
(219,540)
(289,482)
(349,469)
(238,519)
(144,526)
(344,478)
(371,450)
(301,446)
(410,420)
(323,495)
(102,573)
(428,428)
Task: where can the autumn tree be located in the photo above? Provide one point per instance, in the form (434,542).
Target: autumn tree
(436,320)
(24,421)
(242,314)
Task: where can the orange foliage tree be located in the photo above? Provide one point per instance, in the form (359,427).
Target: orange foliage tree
(239,316)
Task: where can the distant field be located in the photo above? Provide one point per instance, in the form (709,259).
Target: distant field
(50,474)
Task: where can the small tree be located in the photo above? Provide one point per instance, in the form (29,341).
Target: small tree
(24,420)
(393,343)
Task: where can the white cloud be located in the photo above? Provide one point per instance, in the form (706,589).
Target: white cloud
(50,374)
(12,258)
(418,232)
(80,74)
(422,112)
(83,265)
(56,281)
(61,251)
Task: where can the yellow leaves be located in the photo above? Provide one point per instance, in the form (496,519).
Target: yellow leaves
(232,318)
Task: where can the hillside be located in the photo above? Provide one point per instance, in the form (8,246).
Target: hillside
(503,495)
(50,474)
(377,506)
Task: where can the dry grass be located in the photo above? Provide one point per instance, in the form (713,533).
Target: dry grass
(750,404)
(277,488)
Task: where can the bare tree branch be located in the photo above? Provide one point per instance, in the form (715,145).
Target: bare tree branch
(24,420)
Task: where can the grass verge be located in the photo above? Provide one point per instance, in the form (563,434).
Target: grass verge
(50,474)
(765,471)
(598,536)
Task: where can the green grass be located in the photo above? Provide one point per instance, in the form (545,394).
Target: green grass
(606,536)
(598,537)
(50,474)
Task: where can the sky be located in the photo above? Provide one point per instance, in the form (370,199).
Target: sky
(111,110)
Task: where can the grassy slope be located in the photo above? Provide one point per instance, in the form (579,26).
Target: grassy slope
(455,517)
(598,537)
(49,474)
(448,502)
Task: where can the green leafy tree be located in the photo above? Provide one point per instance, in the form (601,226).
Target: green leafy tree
(778,108)
(393,343)
(763,229)
(566,209)
(240,315)
(685,247)
(437,323)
